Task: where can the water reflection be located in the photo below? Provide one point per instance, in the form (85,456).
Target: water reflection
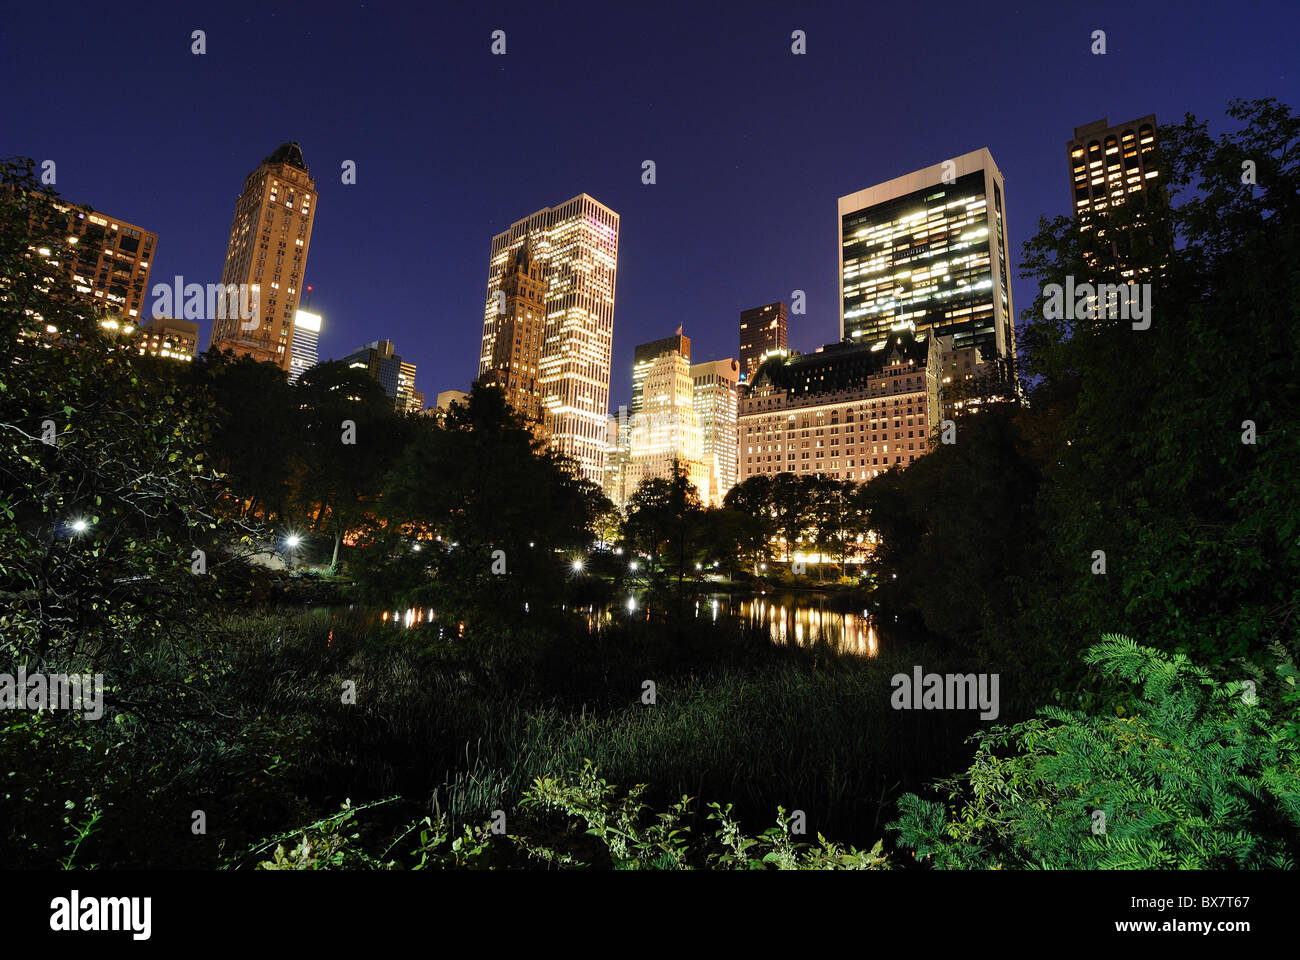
(804,621)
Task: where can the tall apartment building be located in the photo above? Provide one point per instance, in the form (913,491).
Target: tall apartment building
(168,337)
(930,248)
(666,429)
(850,411)
(716,401)
(1110,168)
(110,260)
(762,332)
(381,362)
(305,344)
(267,251)
(575,246)
(520,306)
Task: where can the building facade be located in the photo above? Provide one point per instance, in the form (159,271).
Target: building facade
(1112,167)
(520,321)
(666,430)
(267,251)
(380,361)
(929,248)
(575,245)
(762,332)
(305,344)
(850,411)
(110,261)
(716,401)
(644,356)
(168,337)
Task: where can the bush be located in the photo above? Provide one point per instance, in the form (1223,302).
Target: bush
(1181,772)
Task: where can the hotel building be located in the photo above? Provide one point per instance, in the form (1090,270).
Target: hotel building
(267,250)
(850,411)
(575,247)
(929,248)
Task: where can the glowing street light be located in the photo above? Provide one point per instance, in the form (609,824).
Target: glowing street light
(632,565)
(80,526)
(577,566)
(292,541)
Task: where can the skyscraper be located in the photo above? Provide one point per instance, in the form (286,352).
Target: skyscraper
(666,428)
(381,362)
(267,251)
(519,304)
(645,354)
(306,338)
(1111,167)
(762,331)
(716,400)
(576,247)
(929,248)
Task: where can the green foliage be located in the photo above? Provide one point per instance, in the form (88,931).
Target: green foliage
(1189,773)
(575,822)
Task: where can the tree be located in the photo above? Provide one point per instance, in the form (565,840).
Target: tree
(663,516)
(752,499)
(497,516)
(351,437)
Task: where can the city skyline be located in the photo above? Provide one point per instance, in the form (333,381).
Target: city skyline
(679,265)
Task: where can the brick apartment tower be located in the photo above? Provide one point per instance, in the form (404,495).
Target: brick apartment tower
(269,239)
(516,346)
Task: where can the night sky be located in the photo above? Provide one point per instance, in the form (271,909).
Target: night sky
(452,144)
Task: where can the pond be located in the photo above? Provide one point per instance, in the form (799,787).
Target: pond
(805,619)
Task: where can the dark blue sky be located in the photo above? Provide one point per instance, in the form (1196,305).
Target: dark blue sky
(753,144)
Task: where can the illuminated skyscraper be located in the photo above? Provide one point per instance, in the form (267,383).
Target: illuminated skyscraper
(930,248)
(267,251)
(518,325)
(762,331)
(1110,167)
(716,399)
(576,247)
(306,338)
(645,354)
(666,428)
